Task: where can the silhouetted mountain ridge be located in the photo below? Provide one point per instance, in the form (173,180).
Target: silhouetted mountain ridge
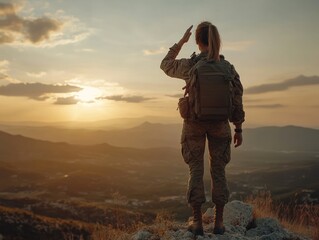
(148,135)
(286,138)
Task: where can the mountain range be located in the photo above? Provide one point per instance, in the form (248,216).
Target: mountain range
(150,135)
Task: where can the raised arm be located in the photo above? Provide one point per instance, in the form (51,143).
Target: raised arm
(177,68)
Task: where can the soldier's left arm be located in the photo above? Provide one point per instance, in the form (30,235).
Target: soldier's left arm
(238,113)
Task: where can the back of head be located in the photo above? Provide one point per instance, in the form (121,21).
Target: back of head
(207,34)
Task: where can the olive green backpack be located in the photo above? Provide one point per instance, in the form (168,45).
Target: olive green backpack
(210,92)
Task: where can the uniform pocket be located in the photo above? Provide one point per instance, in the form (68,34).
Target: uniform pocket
(183,107)
(186,152)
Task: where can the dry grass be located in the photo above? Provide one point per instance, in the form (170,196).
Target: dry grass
(163,223)
(110,233)
(302,219)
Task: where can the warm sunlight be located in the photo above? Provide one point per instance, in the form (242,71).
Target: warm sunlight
(88,94)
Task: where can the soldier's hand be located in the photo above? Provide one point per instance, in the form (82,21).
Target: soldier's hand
(238,139)
(186,36)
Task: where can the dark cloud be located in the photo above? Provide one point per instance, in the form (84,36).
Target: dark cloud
(131,99)
(35,91)
(281,86)
(266,106)
(66,101)
(40,29)
(178,95)
(15,28)
(7,9)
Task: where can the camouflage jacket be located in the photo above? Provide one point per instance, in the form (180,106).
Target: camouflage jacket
(180,69)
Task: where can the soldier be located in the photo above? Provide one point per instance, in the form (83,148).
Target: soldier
(218,133)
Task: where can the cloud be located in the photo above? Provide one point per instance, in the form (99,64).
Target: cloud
(45,31)
(4,76)
(130,99)
(66,100)
(89,50)
(36,75)
(265,106)
(178,95)
(281,86)
(237,46)
(36,91)
(3,70)
(148,52)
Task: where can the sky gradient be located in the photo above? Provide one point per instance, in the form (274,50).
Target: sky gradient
(63,60)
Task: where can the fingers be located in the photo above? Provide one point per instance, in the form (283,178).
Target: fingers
(238,140)
(189,29)
(237,144)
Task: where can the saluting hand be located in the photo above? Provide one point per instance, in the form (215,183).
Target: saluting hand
(186,36)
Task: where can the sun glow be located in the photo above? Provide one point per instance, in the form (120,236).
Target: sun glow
(88,94)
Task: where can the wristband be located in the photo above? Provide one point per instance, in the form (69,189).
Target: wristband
(238,130)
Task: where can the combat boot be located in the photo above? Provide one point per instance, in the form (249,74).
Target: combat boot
(219,227)
(196,226)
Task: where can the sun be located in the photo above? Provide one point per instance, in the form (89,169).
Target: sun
(88,94)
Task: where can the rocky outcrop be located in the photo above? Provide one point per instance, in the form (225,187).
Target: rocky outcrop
(239,222)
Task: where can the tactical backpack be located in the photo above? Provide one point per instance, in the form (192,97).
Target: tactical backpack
(210,92)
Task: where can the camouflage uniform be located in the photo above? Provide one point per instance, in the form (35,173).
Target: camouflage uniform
(194,136)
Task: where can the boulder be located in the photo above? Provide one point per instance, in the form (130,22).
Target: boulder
(240,225)
(141,235)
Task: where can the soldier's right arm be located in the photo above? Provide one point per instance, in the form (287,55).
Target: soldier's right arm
(176,68)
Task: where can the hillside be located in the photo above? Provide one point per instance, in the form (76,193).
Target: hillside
(94,172)
(239,218)
(147,135)
(42,182)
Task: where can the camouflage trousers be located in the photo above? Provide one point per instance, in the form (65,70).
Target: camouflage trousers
(193,142)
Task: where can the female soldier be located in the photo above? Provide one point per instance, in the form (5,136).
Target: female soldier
(195,132)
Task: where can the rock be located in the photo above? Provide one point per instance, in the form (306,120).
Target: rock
(238,216)
(265,226)
(237,213)
(270,229)
(141,235)
(182,234)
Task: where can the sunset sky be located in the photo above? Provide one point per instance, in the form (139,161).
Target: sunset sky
(64,60)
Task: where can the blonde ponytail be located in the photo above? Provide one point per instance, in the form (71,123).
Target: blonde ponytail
(213,43)
(208,35)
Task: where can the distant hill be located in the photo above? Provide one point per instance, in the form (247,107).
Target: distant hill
(146,135)
(30,164)
(30,167)
(288,138)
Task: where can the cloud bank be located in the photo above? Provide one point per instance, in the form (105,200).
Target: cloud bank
(282,86)
(66,100)
(177,95)
(42,31)
(270,106)
(36,75)
(130,99)
(36,91)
